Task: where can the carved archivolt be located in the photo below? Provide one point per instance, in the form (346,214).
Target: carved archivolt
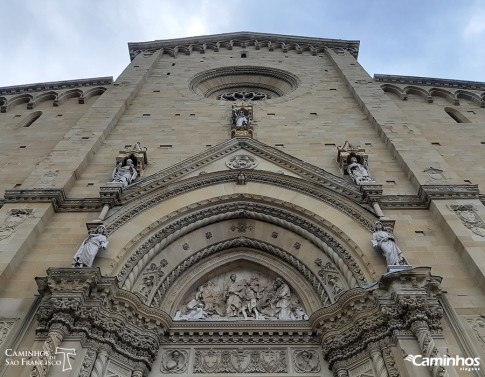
(316,234)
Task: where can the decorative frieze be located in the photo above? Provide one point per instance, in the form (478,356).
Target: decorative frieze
(241,361)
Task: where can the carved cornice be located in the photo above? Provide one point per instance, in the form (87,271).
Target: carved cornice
(427,193)
(56,85)
(244,40)
(397,302)
(437,192)
(430,81)
(115,196)
(56,196)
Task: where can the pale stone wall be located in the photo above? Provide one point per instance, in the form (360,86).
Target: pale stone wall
(336,100)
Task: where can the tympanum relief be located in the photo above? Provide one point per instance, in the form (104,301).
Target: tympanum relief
(242,295)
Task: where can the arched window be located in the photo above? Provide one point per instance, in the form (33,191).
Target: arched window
(456,115)
(30,119)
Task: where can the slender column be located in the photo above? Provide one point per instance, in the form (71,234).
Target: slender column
(378,362)
(103,213)
(427,345)
(54,339)
(378,210)
(341,373)
(100,364)
(88,363)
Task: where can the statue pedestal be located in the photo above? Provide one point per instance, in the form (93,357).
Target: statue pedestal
(398,267)
(114,184)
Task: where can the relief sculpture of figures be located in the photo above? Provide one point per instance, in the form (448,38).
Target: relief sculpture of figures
(242,296)
(385,242)
(88,250)
(234,295)
(174,361)
(359,173)
(124,174)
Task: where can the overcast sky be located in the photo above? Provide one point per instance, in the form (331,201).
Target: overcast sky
(55,40)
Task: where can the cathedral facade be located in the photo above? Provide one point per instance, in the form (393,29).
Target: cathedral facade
(243,204)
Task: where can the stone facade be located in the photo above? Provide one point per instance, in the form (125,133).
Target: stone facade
(242,245)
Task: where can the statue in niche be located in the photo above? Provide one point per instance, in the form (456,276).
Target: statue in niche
(88,250)
(124,174)
(240,120)
(359,173)
(385,242)
(245,296)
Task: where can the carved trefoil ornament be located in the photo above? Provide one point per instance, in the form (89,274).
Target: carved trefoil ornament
(242,161)
(242,119)
(468,215)
(174,361)
(14,218)
(353,161)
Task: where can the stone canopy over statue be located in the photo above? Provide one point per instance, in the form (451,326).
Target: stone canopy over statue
(130,164)
(242,296)
(242,118)
(353,161)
